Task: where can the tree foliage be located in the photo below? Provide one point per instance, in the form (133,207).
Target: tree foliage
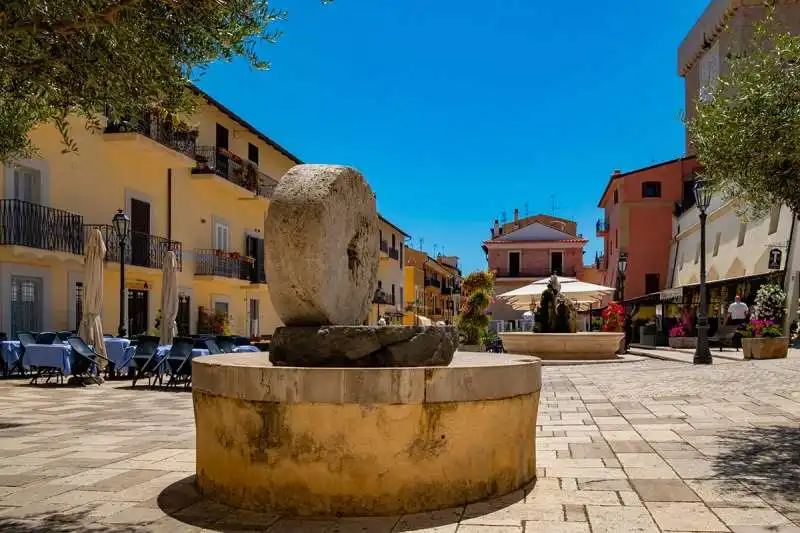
(64,57)
(473,323)
(746,131)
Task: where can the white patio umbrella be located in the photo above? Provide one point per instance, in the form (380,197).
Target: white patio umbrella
(91,326)
(580,292)
(169,298)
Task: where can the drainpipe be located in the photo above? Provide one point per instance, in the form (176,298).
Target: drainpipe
(169,207)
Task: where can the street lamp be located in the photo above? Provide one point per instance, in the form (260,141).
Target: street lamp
(122,224)
(702,196)
(622,266)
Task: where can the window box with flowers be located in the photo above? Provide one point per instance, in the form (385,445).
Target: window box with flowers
(764,339)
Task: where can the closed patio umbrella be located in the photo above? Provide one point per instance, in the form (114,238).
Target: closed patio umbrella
(169,298)
(91,327)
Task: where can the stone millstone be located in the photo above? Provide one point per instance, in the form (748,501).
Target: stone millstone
(321,246)
(363,346)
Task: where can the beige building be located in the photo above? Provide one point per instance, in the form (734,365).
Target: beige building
(389,297)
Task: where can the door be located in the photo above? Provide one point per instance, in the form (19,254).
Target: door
(513,264)
(140,233)
(78,302)
(253,315)
(27,221)
(27,312)
(222,150)
(254,248)
(557,263)
(138,303)
(183,320)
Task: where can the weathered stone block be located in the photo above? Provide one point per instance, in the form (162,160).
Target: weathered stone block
(363,346)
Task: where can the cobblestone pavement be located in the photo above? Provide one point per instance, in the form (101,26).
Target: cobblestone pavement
(648,446)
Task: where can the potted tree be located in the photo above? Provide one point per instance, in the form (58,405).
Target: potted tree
(473,323)
(763,338)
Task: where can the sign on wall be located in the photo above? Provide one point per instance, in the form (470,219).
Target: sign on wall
(775,258)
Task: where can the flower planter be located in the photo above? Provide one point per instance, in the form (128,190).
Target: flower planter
(765,347)
(684,343)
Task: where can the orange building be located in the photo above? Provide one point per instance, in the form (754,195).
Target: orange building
(639,215)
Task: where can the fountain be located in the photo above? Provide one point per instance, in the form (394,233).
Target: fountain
(345,419)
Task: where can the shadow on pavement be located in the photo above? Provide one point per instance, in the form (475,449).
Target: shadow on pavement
(66,522)
(766,459)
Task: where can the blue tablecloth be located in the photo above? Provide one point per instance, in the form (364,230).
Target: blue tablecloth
(50,355)
(249,348)
(163,351)
(117,351)
(9,351)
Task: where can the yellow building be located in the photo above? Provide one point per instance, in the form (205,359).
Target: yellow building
(389,296)
(433,287)
(203,194)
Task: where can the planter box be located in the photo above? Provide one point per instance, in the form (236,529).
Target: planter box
(564,346)
(684,343)
(765,347)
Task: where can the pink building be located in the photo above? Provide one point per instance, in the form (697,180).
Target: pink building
(528,249)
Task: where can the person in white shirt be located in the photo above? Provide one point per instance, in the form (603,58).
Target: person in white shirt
(381,321)
(738,311)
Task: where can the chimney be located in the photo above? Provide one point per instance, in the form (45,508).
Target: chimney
(496,228)
(617,172)
(516,216)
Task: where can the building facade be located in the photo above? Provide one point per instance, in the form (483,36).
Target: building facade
(639,207)
(528,249)
(389,297)
(721,30)
(433,287)
(201,191)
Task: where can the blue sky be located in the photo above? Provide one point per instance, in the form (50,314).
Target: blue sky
(456,111)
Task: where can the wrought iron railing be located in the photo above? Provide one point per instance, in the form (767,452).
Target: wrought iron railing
(38,226)
(394,253)
(603,225)
(433,282)
(535,273)
(141,249)
(162,130)
(447,291)
(223,263)
(227,165)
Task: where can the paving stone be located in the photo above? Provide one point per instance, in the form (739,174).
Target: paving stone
(618,519)
(725,493)
(444,521)
(591,451)
(603,484)
(575,513)
(465,528)
(630,447)
(754,516)
(671,516)
(555,527)
(289,525)
(663,490)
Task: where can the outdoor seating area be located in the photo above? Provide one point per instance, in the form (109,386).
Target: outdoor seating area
(45,356)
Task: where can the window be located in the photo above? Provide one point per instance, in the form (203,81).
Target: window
(717,240)
(774,219)
(742,233)
(221,236)
(513,264)
(651,189)
(616,196)
(616,236)
(709,71)
(253,315)
(402,301)
(393,241)
(221,307)
(222,136)
(27,184)
(393,302)
(252,153)
(652,283)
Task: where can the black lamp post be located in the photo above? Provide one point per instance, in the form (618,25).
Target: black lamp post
(122,224)
(622,266)
(702,355)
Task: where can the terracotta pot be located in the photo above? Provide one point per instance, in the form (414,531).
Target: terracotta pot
(765,347)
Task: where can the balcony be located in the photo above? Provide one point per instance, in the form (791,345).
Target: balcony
(447,291)
(432,282)
(601,262)
(456,289)
(175,136)
(394,253)
(38,226)
(229,166)
(603,226)
(535,273)
(225,264)
(141,249)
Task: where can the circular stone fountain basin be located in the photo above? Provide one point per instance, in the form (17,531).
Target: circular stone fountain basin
(363,441)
